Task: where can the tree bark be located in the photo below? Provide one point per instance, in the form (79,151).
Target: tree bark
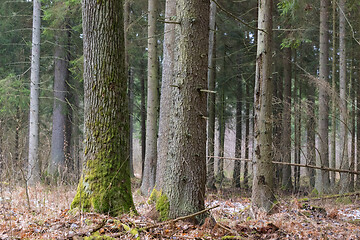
(61,76)
(286,122)
(166,102)
(148,180)
(238,141)
(263,179)
(310,132)
(323,180)
(105,183)
(211,97)
(34,165)
(344,160)
(186,173)
(333,96)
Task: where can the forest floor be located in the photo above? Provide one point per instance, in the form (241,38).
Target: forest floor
(49,217)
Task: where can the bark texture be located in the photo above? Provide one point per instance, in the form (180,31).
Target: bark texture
(344,159)
(105,182)
(148,180)
(34,166)
(262,194)
(61,75)
(186,174)
(323,177)
(211,98)
(286,122)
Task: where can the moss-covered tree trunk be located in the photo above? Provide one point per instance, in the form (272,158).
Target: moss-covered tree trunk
(105,182)
(263,180)
(186,172)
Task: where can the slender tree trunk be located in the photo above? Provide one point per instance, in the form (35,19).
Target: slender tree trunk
(186,172)
(130,84)
(148,180)
(324,182)
(344,160)
(286,122)
(105,183)
(211,98)
(263,179)
(61,76)
(358,122)
(34,165)
(247,134)
(237,164)
(333,97)
(297,125)
(143,117)
(310,133)
(352,91)
(164,138)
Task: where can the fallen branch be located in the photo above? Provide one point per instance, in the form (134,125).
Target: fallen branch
(177,219)
(329,197)
(293,164)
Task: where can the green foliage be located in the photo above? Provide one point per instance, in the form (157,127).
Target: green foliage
(288,7)
(163,207)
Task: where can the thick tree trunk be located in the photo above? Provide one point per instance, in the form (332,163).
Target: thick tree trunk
(211,97)
(263,179)
(164,138)
(61,76)
(105,183)
(286,122)
(148,180)
(186,173)
(344,160)
(34,165)
(323,181)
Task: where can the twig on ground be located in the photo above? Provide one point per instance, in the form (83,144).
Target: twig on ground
(178,219)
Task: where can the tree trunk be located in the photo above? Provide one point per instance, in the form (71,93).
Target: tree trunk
(352,91)
(333,97)
(237,164)
(143,116)
(186,172)
(310,133)
(262,194)
(297,126)
(34,166)
(211,97)
(286,122)
(105,183)
(131,118)
(164,138)
(61,77)
(324,182)
(247,134)
(344,160)
(148,180)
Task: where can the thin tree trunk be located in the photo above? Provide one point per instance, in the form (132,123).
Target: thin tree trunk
(263,179)
(323,181)
(333,97)
(286,122)
(310,133)
(247,134)
(297,125)
(34,165)
(143,117)
(237,164)
(164,138)
(344,160)
(352,99)
(211,97)
(148,180)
